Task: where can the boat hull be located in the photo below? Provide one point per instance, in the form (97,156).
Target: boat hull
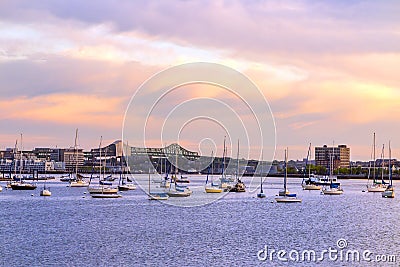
(23,186)
(287,200)
(332,192)
(239,187)
(388,194)
(311,187)
(159,196)
(376,188)
(261,195)
(213,190)
(178,194)
(104,190)
(106,195)
(126,187)
(45,193)
(78,184)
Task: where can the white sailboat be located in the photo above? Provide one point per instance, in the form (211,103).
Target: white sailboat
(156,195)
(376,186)
(123,183)
(226,182)
(239,187)
(333,189)
(389,191)
(261,194)
(45,192)
(284,195)
(164,183)
(78,181)
(177,190)
(213,188)
(21,185)
(102,189)
(309,184)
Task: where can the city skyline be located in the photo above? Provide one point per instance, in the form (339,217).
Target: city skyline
(328,74)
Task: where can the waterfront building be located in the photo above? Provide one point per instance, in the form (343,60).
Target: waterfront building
(339,156)
(72,158)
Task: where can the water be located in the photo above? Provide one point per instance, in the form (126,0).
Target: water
(72,229)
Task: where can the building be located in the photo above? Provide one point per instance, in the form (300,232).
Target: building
(72,158)
(339,157)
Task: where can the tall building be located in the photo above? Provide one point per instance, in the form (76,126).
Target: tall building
(339,156)
(72,158)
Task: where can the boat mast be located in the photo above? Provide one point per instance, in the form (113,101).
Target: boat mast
(15,157)
(308,156)
(237,163)
(20,167)
(100,166)
(223,159)
(127,161)
(373,171)
(176,161)
(309,169)
(390,167)
(76,153)
(285,178)
(261,175)
(383,159)
(149,182)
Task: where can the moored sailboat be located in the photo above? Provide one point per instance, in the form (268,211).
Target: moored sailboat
(389,191)
(376,186)
(77,181)
(156,195)
(45,192)
(333,189)
(239,187)
(102,189)
(309,184)
(284,195)
(213,188)
(261,194)
(21,184)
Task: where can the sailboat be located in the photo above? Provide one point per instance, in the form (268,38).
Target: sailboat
(123,185)
(389,191)
(157,195)
(78,181)
(309,184)
(164,183)
(21,185)
(239,187)
(177,190)
(333,189)
(376,186)
(45,192)
(102,189)
(226,183)
(213,188)
(284,195)
(261,194)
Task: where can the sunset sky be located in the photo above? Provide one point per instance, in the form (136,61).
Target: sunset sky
(330,70)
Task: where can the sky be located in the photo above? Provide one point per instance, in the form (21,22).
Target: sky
(329,70)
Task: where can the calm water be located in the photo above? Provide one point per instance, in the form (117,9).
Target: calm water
(72,229)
